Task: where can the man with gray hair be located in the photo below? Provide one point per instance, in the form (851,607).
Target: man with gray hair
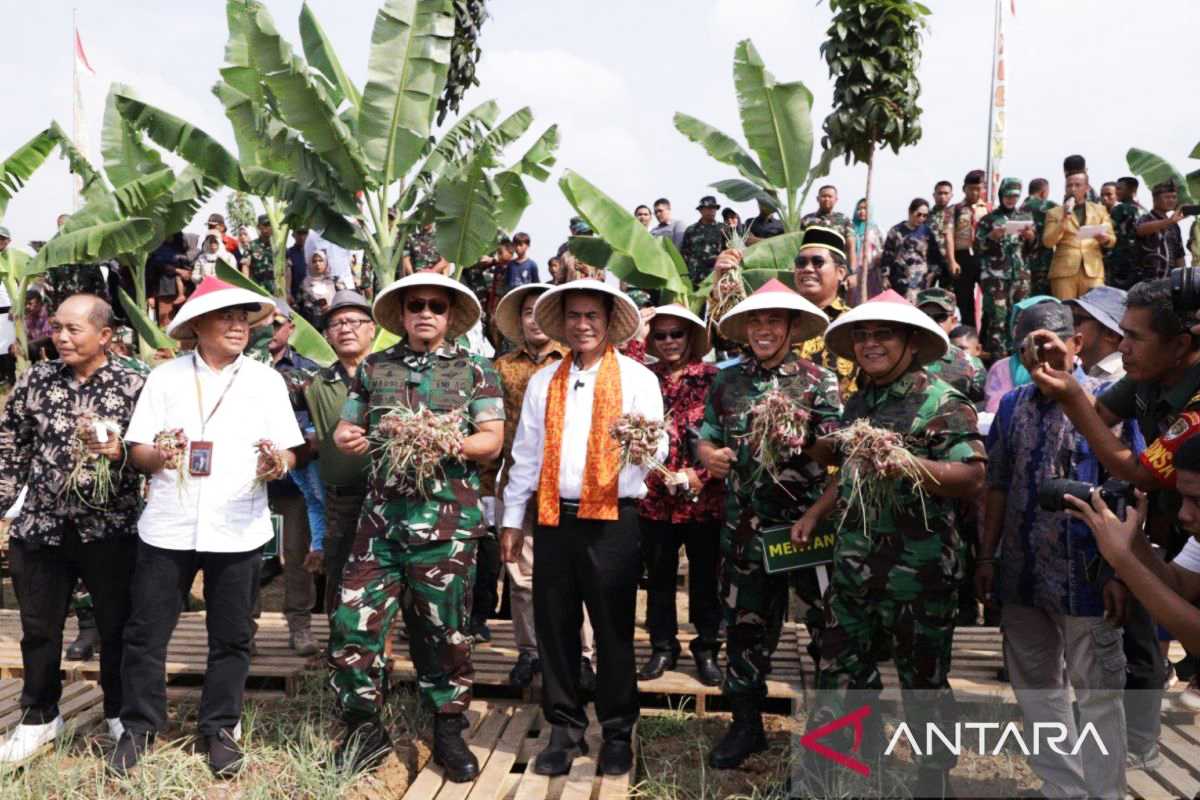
(1059,618)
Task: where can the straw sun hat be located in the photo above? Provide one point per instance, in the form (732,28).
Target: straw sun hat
(698,343)
(889,306)
(773,294)
(508,311)
(623,322)
(214,294)
(464,307)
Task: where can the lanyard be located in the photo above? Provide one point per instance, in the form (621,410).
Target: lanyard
(200,398)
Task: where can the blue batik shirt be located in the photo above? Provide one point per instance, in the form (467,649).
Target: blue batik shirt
(1044,555)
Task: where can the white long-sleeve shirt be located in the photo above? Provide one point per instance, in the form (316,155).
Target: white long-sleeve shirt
(640,392)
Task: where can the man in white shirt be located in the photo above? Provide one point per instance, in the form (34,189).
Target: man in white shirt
(213,518)
(1097,317)
(586,540)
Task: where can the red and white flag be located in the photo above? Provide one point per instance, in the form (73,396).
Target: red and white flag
(81,59)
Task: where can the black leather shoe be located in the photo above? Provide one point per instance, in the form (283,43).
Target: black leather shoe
(364,747)
(523,671)
(224,754)
(84,646)
(556,759)
(659,662)
(706,668)
(450,752)
(616,757)
(587,677)
(128,752)
(480,631)
(744,738)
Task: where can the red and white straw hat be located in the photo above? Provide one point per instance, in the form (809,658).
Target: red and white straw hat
(774,294)
(891,307)
(214,294)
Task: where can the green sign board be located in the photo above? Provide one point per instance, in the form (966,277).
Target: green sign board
(780,555)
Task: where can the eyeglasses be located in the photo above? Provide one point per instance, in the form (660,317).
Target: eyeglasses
(662,336)
(816,261)
(880,335)
(436,307)
(351,324)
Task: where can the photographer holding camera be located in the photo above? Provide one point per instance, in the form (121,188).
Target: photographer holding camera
(1060,622)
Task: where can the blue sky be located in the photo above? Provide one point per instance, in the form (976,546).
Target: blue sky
(1095,78)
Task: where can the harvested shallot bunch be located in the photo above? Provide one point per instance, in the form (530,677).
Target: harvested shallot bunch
(874,462)
(91,476)
(638,438)
(778,431)
(173,444)
(270,461)
(411,446)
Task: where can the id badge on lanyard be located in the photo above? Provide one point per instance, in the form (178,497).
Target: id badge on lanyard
(200,452)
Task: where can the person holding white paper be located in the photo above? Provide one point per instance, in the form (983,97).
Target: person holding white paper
(1004,258)
(1078,263)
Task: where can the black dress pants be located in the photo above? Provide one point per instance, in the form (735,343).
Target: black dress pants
(964,285)
(594,563)
(230,591)
(43,578)
(660,551)
(486,592)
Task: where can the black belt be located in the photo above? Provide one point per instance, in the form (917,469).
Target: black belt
(572,506)
(344,491)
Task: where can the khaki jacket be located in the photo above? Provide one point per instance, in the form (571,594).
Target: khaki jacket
(1070,253)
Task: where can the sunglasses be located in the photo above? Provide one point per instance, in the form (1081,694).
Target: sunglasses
(879,335)
(662,336)
(816,261)
(436,307)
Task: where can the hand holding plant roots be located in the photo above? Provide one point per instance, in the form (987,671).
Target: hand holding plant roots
(638,438)
(778,431)
(410,446)
(874,461)
(728,288)
(173,444)
(271,465)
(90,469)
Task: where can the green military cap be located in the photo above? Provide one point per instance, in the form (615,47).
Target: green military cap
(1010,186)
(263,219)
(942,298)
(4,234)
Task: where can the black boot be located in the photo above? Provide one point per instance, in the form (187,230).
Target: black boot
(84,646)
(587,677)
(705,655)
(564,746)
(661,659)
(128,752)
(224,754)
(364,747)
(933,782)
(744,737)
(450,752)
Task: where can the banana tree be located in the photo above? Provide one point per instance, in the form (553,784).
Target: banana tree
(777,123)
(1154,169)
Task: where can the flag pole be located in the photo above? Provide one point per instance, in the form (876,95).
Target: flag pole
(76,184)
(991,129)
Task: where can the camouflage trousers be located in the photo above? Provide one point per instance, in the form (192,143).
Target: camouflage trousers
(755,605)
(1039,273)
(431,585)
(883,603)
(999,297)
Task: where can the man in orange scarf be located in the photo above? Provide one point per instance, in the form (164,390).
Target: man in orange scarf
(586,541)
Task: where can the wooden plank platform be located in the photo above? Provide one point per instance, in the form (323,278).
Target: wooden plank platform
(81,706)
(1179,773)
(506,739)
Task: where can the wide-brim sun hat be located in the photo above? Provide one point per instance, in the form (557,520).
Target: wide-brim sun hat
(508,311)
(214,294)
(774,294)
(889,307)
(623,322)
(464,307)
(698,343)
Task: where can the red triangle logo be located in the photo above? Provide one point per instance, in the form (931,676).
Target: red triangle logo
(854,718)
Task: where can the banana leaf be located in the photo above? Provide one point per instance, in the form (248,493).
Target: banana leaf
(384,339)
(20,166)
(1154,169)
(454,141)
(138,198)
(147,330)
(323,58)
(776,119)
(93,243)
(540,157)
(775,253)
(513,127)
(511,200)
(466,214)
(182,138)
(655,263)
(406,72)
(598,253)
(305,339)
(721,147)
(741,191)
(126,157)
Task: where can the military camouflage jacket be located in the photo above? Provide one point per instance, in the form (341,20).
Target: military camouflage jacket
(64,281)
(444,380)
(421,249)
(965,373)
(262,264)
(1007,259)
(753,498)
(1121,263)
(702,243)
(835,219)
(938,423)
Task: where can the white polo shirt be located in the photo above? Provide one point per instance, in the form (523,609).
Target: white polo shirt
(223,512)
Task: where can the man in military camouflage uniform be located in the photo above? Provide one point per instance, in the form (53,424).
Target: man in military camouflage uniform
(703,241)
(896,573)
(415,549)
(1003,267)
(826,217)
(421,253)
(1037,204)
(957,368)
(1121,263)
(768,321)
(262,257)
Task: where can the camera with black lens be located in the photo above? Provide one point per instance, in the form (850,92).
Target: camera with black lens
(1117,495)
(1185,288)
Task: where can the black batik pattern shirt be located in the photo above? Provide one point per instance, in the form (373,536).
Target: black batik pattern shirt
(36,431)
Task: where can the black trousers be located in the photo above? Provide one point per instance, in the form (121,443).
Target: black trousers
(342,510)
(660,552)
(230,591)
(597,564)
(44,578)
(965,283)
(485,593)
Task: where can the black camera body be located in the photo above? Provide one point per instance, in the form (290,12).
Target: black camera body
(1185,288)
(1117,495)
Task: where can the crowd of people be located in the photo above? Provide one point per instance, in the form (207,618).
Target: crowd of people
(1092,375)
